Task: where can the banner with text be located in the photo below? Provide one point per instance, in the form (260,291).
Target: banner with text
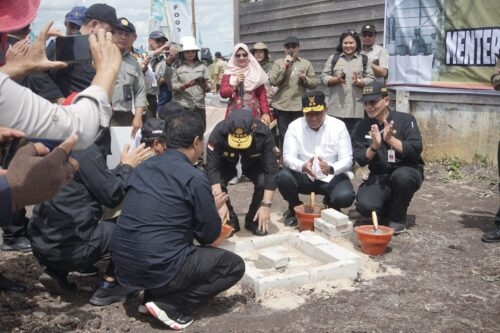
(442,43)
(179,18)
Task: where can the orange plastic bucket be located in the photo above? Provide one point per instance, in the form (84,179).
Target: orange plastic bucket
(374,243)
(306,220)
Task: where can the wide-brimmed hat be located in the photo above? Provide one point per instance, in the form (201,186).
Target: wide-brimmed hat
(372,91)
(313,101)
(240,124)
(259,46)
(188,43)
(103,13)
(15,14)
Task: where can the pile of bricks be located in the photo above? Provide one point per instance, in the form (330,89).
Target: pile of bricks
(332,223)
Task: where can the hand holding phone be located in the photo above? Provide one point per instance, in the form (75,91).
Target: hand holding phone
(199,80)
(71,49)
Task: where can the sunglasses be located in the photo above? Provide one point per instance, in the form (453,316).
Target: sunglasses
(373,103)
(291,46)
(241,55)
(367,34)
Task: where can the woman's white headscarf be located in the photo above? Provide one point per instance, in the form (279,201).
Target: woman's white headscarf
(254,74)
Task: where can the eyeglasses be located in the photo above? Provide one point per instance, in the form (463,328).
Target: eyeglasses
(367,34)
(373,103)
(241,55)
(120,33)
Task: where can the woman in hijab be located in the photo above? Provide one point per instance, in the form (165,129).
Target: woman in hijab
(243,83)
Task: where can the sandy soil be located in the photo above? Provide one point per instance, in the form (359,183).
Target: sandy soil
(437,277)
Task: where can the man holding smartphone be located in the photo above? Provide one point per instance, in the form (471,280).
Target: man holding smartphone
(77,76)
(129,97)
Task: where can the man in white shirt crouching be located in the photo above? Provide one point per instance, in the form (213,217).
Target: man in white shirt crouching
(317,152)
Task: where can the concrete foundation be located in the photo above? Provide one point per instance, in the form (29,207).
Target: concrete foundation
(288,260)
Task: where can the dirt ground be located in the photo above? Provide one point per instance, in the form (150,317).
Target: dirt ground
(437,277)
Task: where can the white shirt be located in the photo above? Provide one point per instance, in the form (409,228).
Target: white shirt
(23,110)
(331,142)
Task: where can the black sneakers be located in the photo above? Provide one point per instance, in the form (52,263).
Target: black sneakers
(56,282)
(398,227)
(290,219)
(175,321)
(492,236)
(111,292)
(22,244)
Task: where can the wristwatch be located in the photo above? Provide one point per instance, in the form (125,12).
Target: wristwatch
(332,171)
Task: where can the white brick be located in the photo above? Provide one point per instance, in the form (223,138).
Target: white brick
(334,217)
(311,258)
(273,258)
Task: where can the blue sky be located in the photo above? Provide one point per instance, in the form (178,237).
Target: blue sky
(214,19)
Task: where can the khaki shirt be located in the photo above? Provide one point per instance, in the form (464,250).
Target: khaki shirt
(343,98)
(495,77)
(377,52)
(192,97)
(219,68)
(290,87)
(130,89)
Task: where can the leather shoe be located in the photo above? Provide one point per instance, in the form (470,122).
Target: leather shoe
(291,220)
(397,226)
(22,244)
(254,229)
(10,286)
(492,236)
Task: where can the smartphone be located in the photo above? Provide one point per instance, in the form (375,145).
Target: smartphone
(71,49)
(200,80)
(11,150)
(49,143)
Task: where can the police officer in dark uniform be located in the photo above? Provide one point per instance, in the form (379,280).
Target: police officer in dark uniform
(241,135)
(391,144)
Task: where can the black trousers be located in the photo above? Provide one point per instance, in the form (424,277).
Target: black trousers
(85,254)
(338,193)
(206,272)
(256,174)
(284,119)
(389,194)
(152,106)
(16,228)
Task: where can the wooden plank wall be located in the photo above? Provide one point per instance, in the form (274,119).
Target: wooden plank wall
(317,23)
